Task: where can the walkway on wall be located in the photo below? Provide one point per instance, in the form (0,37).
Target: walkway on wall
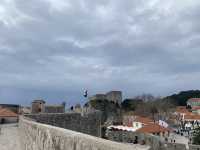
(9,137)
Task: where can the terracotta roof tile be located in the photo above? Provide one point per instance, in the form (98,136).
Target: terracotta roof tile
(7,113)
(143,120)
(195,107)
(128,120)
(153,128)
(192,117)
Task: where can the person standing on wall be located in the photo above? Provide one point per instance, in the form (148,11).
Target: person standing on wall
(85,94)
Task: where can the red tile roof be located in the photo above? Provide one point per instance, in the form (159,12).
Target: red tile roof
(128,120)
(195,107)
(192,117)
(7,113)
(143,120)
(153,128)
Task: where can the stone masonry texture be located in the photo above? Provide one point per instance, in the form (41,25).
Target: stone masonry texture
(88,124)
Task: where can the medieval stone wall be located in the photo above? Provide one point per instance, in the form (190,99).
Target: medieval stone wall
(88,124)
(37,136)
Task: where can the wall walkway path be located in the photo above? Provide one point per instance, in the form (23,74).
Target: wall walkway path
(9,137)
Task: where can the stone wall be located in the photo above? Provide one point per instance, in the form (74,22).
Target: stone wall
(194,147)
(37,136)
(88,124)
(54,109)
(153,141)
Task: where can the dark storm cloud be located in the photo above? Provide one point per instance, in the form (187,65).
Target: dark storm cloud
(57,48)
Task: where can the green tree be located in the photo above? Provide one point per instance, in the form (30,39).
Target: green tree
(131,104)
(153,110)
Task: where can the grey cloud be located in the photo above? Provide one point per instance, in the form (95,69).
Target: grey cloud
(56,49)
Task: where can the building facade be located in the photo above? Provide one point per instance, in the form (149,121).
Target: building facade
(38,106)
(141,125)
(194,105)
(8,116)
(193,102)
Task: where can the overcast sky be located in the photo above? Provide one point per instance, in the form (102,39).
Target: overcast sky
(54,49)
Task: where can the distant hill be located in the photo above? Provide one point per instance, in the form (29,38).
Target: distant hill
(181,98)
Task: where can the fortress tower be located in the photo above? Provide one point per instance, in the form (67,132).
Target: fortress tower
(38,106)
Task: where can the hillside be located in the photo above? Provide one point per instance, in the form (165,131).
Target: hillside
(181,98)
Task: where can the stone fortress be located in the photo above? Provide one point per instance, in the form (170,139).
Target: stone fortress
(112,96)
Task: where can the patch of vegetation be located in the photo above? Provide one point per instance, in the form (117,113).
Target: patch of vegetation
(131,104)
(181,98)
